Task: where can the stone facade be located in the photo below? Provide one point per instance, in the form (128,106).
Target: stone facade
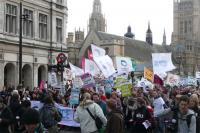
(185,37)
(44,33)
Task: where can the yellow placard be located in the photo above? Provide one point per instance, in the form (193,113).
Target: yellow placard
(148,74)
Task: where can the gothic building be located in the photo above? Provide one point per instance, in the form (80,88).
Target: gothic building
(186,35)
(43,33)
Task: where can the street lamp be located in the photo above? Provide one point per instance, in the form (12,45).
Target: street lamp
(132,76)
(22,17)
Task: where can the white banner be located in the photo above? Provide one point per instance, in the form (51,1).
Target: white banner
(76,70)
(198,75)
(52,79)
(162,62)
(91,67)
(97,51)
(173,80)
(124,64)
(105,64)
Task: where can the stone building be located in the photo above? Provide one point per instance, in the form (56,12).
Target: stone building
(44,33)
(186,36)
(139,51)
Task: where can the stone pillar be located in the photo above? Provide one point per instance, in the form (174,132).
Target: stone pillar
(2,75)
(35,75)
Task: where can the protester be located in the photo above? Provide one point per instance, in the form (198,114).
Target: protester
(31,121)
(6,118)
(102,104)
(49,115)
(141,117)
(184,119)
(115,118)
(114,96)
(83,117)
(194,105)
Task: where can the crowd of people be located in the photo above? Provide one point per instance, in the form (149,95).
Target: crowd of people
(150,110)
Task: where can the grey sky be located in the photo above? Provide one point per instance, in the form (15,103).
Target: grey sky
(121,13)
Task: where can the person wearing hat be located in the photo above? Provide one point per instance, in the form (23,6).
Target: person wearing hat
(31,121)
(115,118)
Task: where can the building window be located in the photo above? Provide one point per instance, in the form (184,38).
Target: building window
(185,27)
(181,27)
(28,23)
(11,18)
(43,26)
(59,29)
(59,1)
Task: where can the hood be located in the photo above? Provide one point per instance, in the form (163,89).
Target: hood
(86,103)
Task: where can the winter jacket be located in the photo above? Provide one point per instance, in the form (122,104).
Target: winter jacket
(182,123)
(6,120)
(82,116)
(115,122)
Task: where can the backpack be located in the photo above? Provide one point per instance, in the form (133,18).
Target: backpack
(49,116)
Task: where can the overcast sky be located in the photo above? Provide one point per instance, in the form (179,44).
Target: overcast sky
(121,13)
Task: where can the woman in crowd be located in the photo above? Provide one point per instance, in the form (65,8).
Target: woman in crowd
(83,117)
(115,118)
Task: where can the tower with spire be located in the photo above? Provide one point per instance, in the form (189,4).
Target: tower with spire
(149,37)
(164,39)
(97,21)
(129,34)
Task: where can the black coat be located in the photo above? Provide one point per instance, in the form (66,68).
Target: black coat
(7,119)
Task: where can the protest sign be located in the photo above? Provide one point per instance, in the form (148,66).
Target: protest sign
(77,82)
(88,80)
(74,97)
(52,80)
(36,105)
(125,89)
(198,75)
(144,83)
(162,62)
(124,64)
(97,51)
(173,80)
(148,74)
(105,64)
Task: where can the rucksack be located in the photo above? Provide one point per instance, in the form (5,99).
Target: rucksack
(49,116)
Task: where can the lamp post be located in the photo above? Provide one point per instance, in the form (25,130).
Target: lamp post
(132,76)
(22,17)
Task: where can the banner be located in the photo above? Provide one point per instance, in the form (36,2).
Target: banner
(77,82)
(97,51)
(76,70)
(67,113)
(52,79)
(148,74)
(162,62)
(173,80)
(91,67)
(125,89)
(88,80)
(105,64)
(124,64)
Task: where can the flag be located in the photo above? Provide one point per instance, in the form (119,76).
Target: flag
(76,70)
(158,80)
(148,74)
(90,56)
(105,64)
(82,62)
(97,51)
(91,67)
(124,64)
(162,62)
